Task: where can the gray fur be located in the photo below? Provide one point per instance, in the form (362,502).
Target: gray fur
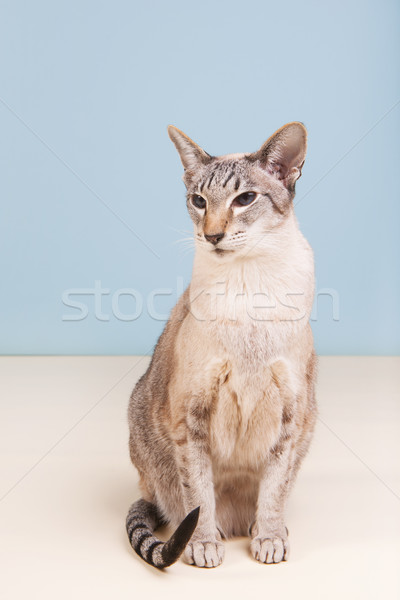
(225,412)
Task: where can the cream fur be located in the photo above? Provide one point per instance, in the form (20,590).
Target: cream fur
(225,414)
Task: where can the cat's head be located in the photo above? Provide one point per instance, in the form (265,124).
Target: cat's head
(236,200)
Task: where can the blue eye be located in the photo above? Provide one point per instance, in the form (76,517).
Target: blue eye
(244,199)
(198,201)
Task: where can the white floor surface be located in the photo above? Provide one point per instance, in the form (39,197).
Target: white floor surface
(67,482)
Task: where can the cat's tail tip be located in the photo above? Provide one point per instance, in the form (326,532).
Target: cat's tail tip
(140,522)
(178,541)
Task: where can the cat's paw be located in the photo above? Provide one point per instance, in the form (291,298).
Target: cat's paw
(272,549)
(204,554)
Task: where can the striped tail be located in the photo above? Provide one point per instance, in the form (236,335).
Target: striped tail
(143,518)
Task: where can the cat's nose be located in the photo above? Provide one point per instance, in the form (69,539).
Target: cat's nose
(214,238)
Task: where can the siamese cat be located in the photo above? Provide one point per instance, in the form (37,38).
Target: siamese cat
(223,417)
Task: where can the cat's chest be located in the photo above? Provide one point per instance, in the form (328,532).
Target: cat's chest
(246,418)
(252,319)
(259,295)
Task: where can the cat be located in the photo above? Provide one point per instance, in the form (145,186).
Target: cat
(224,415)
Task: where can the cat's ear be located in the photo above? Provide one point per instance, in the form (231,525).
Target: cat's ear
(192,156)
(284,153)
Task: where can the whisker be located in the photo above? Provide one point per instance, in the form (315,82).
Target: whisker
(189,231)
(183,240)
(185,252)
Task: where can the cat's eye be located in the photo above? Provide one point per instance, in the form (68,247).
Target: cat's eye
(244,199)
(198,201)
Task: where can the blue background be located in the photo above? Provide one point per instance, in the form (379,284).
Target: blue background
(87,90)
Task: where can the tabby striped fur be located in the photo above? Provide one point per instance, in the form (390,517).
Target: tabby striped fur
(224,415)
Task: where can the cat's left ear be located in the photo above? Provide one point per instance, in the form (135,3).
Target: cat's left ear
(284,153)
(192,156)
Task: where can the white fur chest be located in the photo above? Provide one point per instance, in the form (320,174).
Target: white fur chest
(246,420)
(253,308)
(251,315)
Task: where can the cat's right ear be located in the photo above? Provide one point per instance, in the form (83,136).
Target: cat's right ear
(192,156)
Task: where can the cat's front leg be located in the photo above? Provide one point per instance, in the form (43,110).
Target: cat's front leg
(270,542)
(195,469)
